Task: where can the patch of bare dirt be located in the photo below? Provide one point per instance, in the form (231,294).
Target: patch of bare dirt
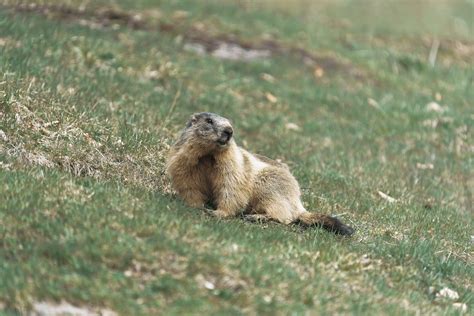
(198,40)
(225,45)
(102,17)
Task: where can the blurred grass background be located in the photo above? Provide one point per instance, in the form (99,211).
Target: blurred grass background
(92,94)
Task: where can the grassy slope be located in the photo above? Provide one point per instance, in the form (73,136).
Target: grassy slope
(86,214)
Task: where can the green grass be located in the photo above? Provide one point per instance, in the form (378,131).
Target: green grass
(88,114)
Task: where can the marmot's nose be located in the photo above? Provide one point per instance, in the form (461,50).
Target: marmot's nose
(227,133)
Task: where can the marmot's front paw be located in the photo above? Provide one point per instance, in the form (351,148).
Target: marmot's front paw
(221,214)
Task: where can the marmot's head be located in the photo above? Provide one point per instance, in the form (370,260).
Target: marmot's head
(210,130)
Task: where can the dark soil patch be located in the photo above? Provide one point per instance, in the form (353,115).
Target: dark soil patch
(225,46)
(103,17)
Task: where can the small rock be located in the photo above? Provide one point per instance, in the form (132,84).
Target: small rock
(201,280)
(365,261)
(373,103)
(460,306)
(448,293)
(152,74)
(434,107)
(209,285)
(425,166)
(270,97)
(318,72)
(267,299)
(292,127)
(268,77)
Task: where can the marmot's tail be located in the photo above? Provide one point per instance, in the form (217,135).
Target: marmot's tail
(325,221)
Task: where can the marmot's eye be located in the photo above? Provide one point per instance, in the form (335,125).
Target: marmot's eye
(210,121)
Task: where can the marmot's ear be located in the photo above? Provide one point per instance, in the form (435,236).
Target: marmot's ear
(193,119)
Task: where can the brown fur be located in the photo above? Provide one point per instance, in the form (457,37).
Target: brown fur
(207,167)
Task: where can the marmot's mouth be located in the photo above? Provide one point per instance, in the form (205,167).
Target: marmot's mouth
(224,140)
(225,136)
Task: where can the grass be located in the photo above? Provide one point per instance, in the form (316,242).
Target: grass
(87,114)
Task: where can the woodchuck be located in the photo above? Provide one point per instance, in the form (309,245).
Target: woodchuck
(207,167)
